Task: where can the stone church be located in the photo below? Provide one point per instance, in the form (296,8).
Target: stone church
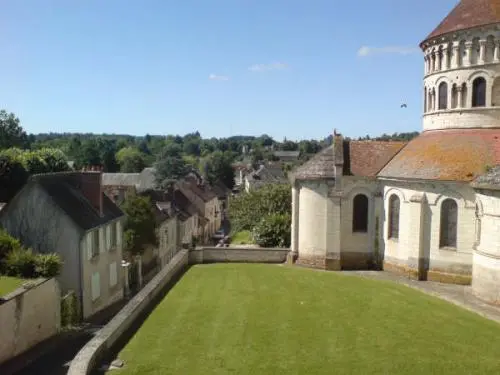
(429,208)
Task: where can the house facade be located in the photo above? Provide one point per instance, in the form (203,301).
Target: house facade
(427,209)
(67,213)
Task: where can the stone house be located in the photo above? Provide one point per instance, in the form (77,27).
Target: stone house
(265,175)
(68,213)
(120,186)
(428,209)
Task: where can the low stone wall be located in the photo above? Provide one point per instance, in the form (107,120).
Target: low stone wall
(90,355)
(29,316)
(237,255)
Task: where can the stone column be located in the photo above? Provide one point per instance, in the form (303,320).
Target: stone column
(455,55)
(426,63)
(482,52)
(433,61)
(418,259)
(468,49)
(295,222)
(138,259)
(496,51)
(444,62)
(459,96)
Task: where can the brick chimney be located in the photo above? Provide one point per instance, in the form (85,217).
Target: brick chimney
(91,186)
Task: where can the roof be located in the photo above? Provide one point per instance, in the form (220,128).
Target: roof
(287,154)
(468,14)
(322,165)
(489,180)
(367,158)
(201,190)
(446,155)
(120,179)
(72,201)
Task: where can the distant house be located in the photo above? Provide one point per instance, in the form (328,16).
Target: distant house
(68,213)
(265,175)
(120,186)
(287,156)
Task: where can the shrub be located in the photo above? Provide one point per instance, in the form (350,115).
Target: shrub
(47,265)
(20,263)
(7,244)
(273,231)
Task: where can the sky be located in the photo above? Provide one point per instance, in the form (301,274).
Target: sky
(286,68)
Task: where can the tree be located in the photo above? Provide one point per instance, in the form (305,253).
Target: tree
(218,166)
(247,209)
(170,165)
(140,228)
(11,132)
(55,160)
(273,231)
(131,160)
(13,176)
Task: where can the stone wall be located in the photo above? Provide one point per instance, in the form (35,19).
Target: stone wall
(237,254)
(90,355)
(29,316)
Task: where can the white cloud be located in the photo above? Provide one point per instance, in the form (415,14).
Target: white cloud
(215,77)
(266,67)
(367,51)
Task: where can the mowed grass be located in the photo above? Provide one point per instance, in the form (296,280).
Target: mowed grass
(268,319)
(9,284)
(242,238)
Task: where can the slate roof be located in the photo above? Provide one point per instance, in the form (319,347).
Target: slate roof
(468,14)
(446,155)
(489,180)
(121,179)
(72,201)
(287,154)
(358,158)
(201,190)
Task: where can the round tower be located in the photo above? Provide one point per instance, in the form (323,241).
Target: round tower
(462,68)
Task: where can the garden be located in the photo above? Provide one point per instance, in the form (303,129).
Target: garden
(271,319)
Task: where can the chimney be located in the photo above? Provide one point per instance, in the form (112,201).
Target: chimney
(91,186)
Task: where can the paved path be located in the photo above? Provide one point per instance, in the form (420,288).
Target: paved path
(457,294)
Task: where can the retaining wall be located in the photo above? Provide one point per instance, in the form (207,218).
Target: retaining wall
(29,316)
(237,254)
(90,355)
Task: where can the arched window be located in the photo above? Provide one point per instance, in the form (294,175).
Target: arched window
(479,92)
(394,204)
(360,213)
(443,95)
(448,229)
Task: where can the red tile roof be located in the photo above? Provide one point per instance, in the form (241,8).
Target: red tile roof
(468,14)
(367,158)
(446,155)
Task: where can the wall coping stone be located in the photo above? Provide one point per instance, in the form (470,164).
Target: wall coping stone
(26,286)
(85,361)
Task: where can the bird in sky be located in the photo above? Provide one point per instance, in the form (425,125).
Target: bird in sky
(404,105)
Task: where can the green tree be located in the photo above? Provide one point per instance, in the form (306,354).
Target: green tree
(131,160)
(170,165)
(273,231)
(218,166)
(140,227)
(54,159)
(13,176)
(247,209)
(11,132)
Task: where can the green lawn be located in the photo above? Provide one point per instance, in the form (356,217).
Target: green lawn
(268,319)
(8,284)
(242,238)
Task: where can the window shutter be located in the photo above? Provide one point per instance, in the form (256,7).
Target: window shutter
(102,240)
(88,243)
(108,237)
(112,274)
(119,234)
(96,286)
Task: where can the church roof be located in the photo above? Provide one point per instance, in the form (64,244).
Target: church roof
(446,155)
(359,158)
(468,14)
(489,180)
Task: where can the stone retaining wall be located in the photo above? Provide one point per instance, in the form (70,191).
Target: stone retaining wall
(238,254)
(90,355)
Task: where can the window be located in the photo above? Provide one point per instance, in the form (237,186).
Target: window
(112,234)
(95,243)
(113,274)
(479,92)
(96,286)
(425,99)
(394,216)
(360,213)
(443,95)
(448,228)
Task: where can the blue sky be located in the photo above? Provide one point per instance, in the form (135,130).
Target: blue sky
(223,67)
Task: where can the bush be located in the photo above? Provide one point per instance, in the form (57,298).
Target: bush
(47,265)
(20,263)
(7,244)
(273,231)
